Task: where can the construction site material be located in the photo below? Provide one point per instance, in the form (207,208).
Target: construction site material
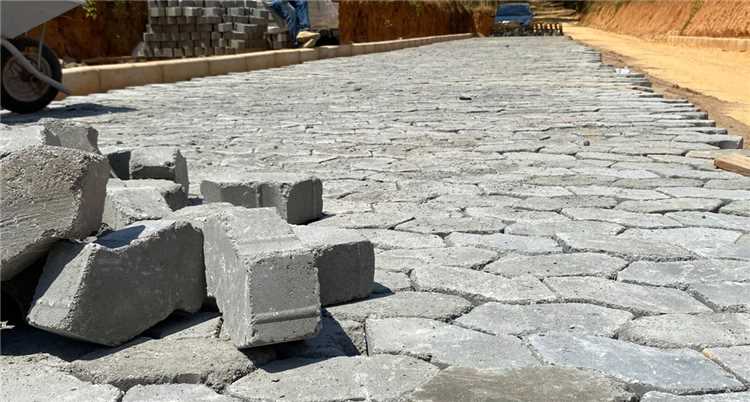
(151,163)
(48,194)
(172,192)
(734,163)
(23,381)
(262,277)
(143,271)
(126,205)
(74,135)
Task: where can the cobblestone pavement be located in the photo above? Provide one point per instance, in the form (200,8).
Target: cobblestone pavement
(533,211)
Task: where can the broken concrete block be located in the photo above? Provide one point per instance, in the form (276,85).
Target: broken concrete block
(22,381)
(345,261)
(126,205)
(71,134)
(48,194)
(262,277)
(173,193)
(297,197)
(110,291)
(17,138)
(151,163)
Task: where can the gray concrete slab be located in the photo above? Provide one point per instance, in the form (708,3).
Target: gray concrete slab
(29,382)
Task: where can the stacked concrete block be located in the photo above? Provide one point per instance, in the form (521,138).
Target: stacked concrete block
(48,194)
(150,163)
(188,28)
(298,198)
(56,133)
(262,277)
(345,261)
(111,290)
(172,192)
(126,205)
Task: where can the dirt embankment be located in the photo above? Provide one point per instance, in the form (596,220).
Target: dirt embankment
(376,20)
(656,18)
(114,29)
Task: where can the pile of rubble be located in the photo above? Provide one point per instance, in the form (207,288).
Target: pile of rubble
(104,259)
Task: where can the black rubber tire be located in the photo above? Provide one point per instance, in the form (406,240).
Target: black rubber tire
(15,105)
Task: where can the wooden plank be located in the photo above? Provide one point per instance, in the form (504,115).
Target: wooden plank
(737,163)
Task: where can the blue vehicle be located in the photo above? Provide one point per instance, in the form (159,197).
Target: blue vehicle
(517,19)
(514,13)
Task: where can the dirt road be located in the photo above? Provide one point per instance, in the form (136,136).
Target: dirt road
(714,79)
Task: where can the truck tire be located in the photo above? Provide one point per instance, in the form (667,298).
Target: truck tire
(21,91)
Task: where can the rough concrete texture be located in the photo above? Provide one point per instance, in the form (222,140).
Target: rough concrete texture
(735,359)
(113,289)
(262,277)
(181,325)
(542,266)
(125,205)
(678,371)
(16,138)
(683,273)
(689,331)
(175,393)
(446,345)
(75,135)
(496,318)
(195,361)
(723,296)
(197,215)
(483,145)
(48,194)
(533,384)
(376,378)
(297,197)
(173,193)
(655,396)
(336,338)
(156,162)
(345,261)
(25,382)
(390,282)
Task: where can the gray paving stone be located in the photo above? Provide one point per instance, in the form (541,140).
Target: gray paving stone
(632,219)
(445,225)
(344,259)
(543,266)
(558,203)
(435,306)
(365,220)
(671,205)
(336,338)
(446,345)
(713,220)
(515,215)
(655,396)
(163,361)
(30,382)
(639,300)
(523,190)
(523,384)
(682,273)
(689,331)
(125,205)
(501,242)
(735,359)
(49,194)
(197,215)
(405,260)
(173,193)
(296,197)
(175,393)
(623,247)
(550,228)
(521,320)
(741,208)
(390,282)
(701,241)
(643,368)
(655,183)
(739,250)
(263,278)
(181,326)
(480,286)
(152,267)
(394,239)
(734,183)
(377,378)
(617,192)
(699,192)
(151,163)
(723,296)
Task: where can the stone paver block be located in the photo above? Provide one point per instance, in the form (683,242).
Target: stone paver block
(501,242)
(75,135)
(181,326)
(682,273)
(741,208)
(670,205)
(617,192)
(48,194)
(643,368)
(699,192)
(30,382)
(175,393)
(655,396)
(393,239)
(701,241)
(543,266)
(366,220)
(377,378)
(173,193)
(480,286)
(522,384)
(151,163)
(496,318)
(630,249)
(445,225)
(736,359)
(723,296)
(558,203)
(190,361)
(345,261)
(144,271)
(714,220)
(297,197)
(632,219)
(336,338)
(639,300)
(513,215)
(689,331)
(263,278)
(446,345)
(435,306)
(197,215)
(390,282)
(551,228)
(125,205)
(406,260)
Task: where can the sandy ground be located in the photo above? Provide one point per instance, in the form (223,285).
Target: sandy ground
(714,79)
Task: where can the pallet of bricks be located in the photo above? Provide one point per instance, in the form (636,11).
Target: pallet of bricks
(186,28)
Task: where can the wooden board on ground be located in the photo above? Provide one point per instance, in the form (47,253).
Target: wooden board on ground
(737,163)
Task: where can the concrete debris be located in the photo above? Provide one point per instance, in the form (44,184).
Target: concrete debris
(76,135)
(25,382)
(173,193)
(143,272)
(48,194)
(126,205)
(175,393)
(151,163)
